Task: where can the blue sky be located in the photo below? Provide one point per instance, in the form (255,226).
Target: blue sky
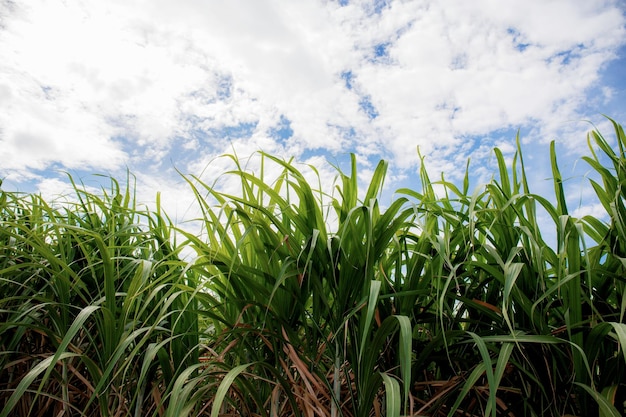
(155,87)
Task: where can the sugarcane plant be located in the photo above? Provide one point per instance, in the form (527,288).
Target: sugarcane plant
(286,298)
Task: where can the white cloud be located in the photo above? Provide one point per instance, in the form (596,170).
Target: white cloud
(105,85)
(595,210)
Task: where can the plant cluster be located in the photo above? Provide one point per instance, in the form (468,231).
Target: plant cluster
(304,302)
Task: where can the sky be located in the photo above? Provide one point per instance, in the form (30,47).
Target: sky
(161,88)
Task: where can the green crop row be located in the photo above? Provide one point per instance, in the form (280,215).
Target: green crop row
(301,301)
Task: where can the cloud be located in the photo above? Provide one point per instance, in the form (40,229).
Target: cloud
(464,70)
(155,85)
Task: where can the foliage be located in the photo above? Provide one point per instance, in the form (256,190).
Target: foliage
(303,301)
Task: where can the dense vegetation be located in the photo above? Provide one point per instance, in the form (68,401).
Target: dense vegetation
(302,302)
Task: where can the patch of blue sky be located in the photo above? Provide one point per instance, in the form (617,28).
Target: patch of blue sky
(365,100)
(282,131)
(368,108)
(197,133)
(238,131)
(193,128)
(29,185)
(615,71)
(183,151)
(348,78)
(379,5)
(224,87)
(566,57)
(381,49)
(479,149)
(518,39)
(614,75)
(521,46)
(375,6)
(380,53)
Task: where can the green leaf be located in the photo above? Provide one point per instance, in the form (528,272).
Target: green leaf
(605,407)
(392,395)
(224,387)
